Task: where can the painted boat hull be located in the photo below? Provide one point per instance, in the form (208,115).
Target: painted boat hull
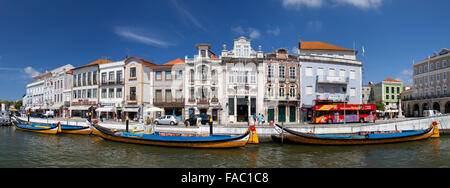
(304,138)
(173,141)
(68,129)
(44,129)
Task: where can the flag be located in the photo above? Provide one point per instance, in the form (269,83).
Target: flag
(363,50)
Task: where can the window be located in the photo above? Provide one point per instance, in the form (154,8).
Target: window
(438,77)
(168,95)
(104,94)
(168,75)
(89,93)
(438,65)
(204,73)
(309,90)
(387,97)
(89,78)
(387,89)
(179,74)
(103,77)
(132,96)
(94,93)
(159,75)
(281,91)
(398,89)
(392,89)
(309,71)
(341,73)
(118,92)
(203,53)
(444,64)
(133,72)
(270,90)
(84,79)
(393,97)
(253,77)
(320,71)
(111,76)
(292,92)
(111,93)
(74,94)
(281,73)
(352,74)
(352,92)
(230,106)
(119,76)
(445,76)
(84,94)
(270,71)
(231,77)
(331,72)
(94,78)
(292,72)
(420,69)
(158,95)
(74,80)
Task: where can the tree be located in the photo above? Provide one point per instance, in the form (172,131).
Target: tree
(18,104)
(380,105)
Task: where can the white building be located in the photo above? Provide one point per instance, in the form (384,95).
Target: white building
(243,94)
(85,89)
(47,91)
(111,90)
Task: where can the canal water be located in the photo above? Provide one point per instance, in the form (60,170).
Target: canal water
(26,149)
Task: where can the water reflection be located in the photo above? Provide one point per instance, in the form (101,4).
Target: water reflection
(27,149)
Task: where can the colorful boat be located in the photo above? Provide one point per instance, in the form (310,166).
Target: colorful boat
(173,139)
(361,138)
(39,128)
(72,129)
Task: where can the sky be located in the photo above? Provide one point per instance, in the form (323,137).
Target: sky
(40,35)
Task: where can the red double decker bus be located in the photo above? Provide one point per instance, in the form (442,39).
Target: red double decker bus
(327,111)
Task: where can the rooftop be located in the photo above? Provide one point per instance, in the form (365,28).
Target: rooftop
(317,45)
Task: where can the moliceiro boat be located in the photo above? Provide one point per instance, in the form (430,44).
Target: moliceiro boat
(360,138)
(51,128)
(173,139)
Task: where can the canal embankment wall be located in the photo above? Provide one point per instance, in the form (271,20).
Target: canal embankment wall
(265,132)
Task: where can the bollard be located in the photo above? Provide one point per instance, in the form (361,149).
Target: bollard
(28,114)
(90,117)
(126,124)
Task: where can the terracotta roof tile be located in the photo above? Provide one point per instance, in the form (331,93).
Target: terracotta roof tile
(176,61)
(316,45)
(390,80)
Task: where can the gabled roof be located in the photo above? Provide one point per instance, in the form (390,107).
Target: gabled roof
(317,45)
(98,62)
(391,80)
(144,62)
(174,62)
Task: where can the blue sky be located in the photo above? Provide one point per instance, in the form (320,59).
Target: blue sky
(40,35)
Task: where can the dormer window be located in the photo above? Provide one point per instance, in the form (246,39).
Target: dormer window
(203,53)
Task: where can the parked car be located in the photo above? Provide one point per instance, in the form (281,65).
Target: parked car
(202,118)
(430,113)
(36,115)
(49,114)
(166,120)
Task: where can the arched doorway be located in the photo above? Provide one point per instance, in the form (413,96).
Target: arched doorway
(424,107)
(447,107)
(436,106)
(416,110)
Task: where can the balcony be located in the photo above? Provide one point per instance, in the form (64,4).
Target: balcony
(173,102)
(203,101)
(332,79)
(111,82)
(282,98)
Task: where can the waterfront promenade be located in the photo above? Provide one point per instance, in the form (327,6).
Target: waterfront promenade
(265,131)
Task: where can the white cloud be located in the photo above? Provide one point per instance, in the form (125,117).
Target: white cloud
(298,3)
(252,33)
(186,15)
(405,76)
(362,4)
(31,72)
(132,34)
(275,31)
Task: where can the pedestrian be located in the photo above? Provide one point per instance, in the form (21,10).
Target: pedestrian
(254,118)
(259,119)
